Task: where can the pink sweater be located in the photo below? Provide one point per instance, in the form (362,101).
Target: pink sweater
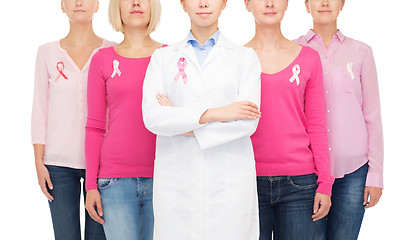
(127,148)
(291,138)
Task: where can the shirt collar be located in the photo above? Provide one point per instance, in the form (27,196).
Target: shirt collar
(311,34)
(213,39)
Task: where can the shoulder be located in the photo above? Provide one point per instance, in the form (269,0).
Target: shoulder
(106,43)
(357,45)
(309,52)
(49,48)
(300,40)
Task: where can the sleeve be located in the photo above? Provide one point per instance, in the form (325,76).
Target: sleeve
(96,120)
(315,112)
(217,133)
(40,100)
(162,120)
(372,116)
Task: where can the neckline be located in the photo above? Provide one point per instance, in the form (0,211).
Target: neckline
(288,67)
(73,62)
(128,58)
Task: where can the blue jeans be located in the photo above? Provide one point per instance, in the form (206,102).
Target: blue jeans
(128,208)
(346,213)
(65,208)
(286,206)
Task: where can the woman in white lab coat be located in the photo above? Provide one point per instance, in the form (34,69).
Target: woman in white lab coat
(202,102)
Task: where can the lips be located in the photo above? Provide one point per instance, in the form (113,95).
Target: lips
(136,12)
(79,11)
(204,14)
(270,13)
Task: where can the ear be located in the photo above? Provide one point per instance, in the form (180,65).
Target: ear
(343,2)
(286,6)
(307,6)
(247,5)
(63,9)
(224,3)
(96,10)
(182,2)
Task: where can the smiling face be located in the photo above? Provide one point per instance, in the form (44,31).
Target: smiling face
(203,13)
(324,11)
(267,12)
(80,10)
(135,13)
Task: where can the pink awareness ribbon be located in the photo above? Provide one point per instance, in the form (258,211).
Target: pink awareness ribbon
(60,66)
(181,64)
(296,71)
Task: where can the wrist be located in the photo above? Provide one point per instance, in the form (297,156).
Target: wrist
(207,116)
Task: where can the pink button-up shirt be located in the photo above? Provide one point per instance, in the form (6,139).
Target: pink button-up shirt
(353,107)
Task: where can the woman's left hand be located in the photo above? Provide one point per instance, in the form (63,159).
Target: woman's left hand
(163,100)
(373,194)
(322,204)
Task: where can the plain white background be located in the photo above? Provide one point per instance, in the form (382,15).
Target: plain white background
(387,26)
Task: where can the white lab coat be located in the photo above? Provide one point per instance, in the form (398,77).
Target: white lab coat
(204,186)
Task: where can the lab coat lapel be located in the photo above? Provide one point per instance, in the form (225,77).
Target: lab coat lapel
(187,51)
(217,50)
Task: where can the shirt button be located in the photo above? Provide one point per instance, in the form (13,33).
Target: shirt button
(325,57)
(329,130)
(328,110)
(327,92)
(329,149)
(327,73)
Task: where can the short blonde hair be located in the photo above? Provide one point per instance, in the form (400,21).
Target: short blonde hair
(114,14)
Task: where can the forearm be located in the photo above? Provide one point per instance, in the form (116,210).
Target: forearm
(39,150)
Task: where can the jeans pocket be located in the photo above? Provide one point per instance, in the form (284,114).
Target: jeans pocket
(304,181)
(104,183)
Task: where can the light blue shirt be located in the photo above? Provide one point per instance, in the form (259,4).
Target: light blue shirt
(203,52)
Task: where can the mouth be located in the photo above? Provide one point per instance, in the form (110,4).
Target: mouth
(79,11)
(204,14)
(136,12)
(324,11)
(270,13)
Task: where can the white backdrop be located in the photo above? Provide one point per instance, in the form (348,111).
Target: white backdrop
(384,25)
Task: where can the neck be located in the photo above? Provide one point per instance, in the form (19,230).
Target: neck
(202,34)
(81,34)
(268,36)
(135,38)
(326,31)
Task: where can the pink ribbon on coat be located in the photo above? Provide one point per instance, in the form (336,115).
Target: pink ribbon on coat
(60,66)
(181,64)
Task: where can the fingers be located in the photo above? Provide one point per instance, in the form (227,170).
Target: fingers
(163,100)
(44,189)
(97,216)
(371,196)
(249,104)
(322,204)
(366,197)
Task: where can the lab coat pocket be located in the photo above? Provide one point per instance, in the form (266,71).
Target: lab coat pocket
(165,181)
(240,193)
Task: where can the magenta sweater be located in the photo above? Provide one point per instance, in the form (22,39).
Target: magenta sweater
(291,138)
(127,148)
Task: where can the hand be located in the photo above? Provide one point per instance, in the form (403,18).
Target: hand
(235,111)
(188,134)
(93,198)
(163,100)
(372,193)
(43,179)
(322,204)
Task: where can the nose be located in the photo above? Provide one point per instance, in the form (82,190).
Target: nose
(136,3)
(325,3)
(79,2)
(203,4)
(269,3)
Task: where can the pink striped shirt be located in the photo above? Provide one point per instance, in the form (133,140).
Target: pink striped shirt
(291,138)
(353,106)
